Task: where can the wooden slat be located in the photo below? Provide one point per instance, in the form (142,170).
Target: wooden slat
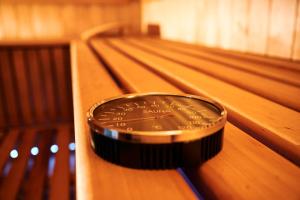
(39,104)
(3,108)
(282,74)
(239,25)
(8,88)
(224,8)
(281,93)
(34,186)
(257,31)
(22,83)
(60,69)
(296,39)
(281,28)
(96,178)
(60,181)
(35,85)
(46,66)
(261,60)
(207,32)
(11,183)
(240,171)
(7,145)
(129,79)
(274,125)
(38,21)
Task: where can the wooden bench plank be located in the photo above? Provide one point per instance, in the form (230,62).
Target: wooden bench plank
(274,125)
(283,74)
(60,181)
(34,185)
(261,60)
(281,93)
(11,184)
(7,145)
(130,79)
(241,154)
(97,178)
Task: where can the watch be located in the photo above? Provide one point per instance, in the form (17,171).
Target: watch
(157,130)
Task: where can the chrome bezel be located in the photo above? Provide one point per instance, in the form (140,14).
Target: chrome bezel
(157,137)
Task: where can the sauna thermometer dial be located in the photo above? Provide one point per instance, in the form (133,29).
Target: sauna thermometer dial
(157,130)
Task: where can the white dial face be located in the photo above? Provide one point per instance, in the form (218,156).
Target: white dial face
(156,113)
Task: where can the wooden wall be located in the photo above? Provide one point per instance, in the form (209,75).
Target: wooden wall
(35,85)
(267,27)
(32,20)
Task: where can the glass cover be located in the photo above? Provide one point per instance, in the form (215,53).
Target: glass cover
(156,113)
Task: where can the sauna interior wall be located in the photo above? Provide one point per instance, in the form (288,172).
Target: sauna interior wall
(29,19)
(266,27)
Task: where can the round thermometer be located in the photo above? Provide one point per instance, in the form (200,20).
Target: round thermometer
(157,130)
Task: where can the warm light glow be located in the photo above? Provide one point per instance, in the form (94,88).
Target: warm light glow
(54,148)
(14,153)
(34,151)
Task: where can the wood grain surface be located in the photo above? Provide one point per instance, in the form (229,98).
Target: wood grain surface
(266,120)
(35,20)
(10,185)
(35,84)
(96,178)
(218,177)
(274,90)
(258,26)
(288,72)
(35,183)
(60,180)
(266,61)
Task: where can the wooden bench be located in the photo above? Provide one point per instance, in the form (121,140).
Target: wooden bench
(260,157)
(35,113)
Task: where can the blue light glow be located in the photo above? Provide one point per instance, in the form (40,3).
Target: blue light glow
(34,151)
(72,146)
(14,153)
(54,148)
